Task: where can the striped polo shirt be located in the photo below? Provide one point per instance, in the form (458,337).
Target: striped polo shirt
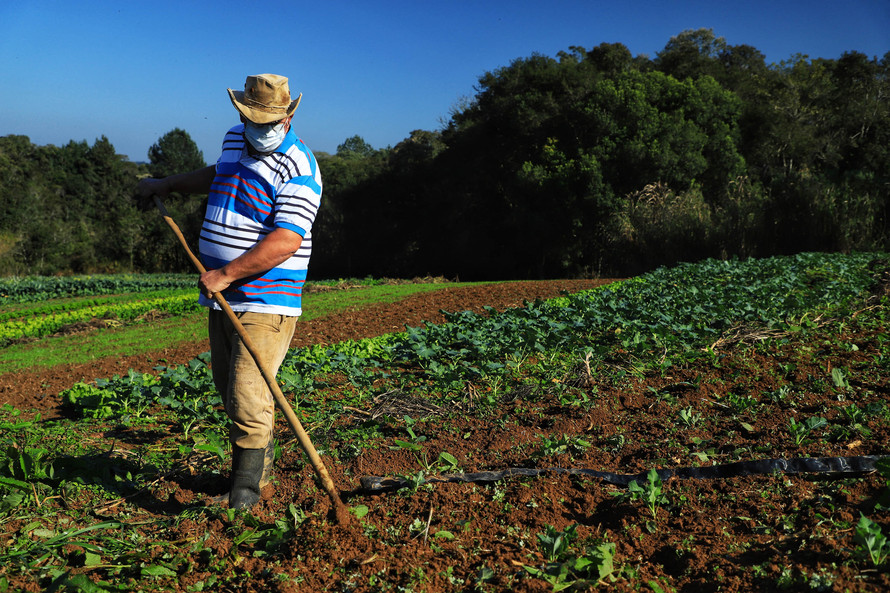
(250,197)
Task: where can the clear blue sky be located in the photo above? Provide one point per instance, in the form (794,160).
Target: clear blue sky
(133,71)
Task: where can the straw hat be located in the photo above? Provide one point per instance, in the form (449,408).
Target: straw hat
(265,99)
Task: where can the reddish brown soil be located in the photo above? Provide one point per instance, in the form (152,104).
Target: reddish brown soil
(755,533)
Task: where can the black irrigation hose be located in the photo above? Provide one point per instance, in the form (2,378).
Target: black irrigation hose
(845,466)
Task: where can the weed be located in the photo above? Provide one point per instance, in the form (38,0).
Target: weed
(780,394)
(839,378)
(664,396)
(414,445)
(565,567)
(800,430)
(415,481)
(614,443)
(558,446)
(873,544)
(448,463)
(650,492)
(741,403)
(689,418)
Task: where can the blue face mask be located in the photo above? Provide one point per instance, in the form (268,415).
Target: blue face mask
(264,138)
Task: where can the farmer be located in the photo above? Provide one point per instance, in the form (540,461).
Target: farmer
(263,195)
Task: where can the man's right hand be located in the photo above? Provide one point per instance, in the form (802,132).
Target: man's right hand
(149,187)
(193,182)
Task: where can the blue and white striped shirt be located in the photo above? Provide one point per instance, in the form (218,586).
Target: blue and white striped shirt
(250,197)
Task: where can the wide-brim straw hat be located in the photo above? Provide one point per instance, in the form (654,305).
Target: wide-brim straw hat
(265,99)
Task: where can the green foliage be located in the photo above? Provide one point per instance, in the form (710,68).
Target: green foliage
(567,567)
(873,544)
(187,390)
(70,209)
(58,469)
(747,159)
(24,289)
(45,320)
(801,430)
(650,492)
(671,314)
(354,148)
(561,445)
(175,152)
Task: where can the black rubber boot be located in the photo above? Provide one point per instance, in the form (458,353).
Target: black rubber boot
(247,471)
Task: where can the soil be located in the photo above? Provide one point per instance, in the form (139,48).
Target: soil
(743,533)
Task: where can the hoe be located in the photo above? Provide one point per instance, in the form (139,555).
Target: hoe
(340,512)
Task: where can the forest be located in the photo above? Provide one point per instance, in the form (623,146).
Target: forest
(591,163)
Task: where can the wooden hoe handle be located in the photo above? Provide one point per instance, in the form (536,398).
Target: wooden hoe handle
(321,471)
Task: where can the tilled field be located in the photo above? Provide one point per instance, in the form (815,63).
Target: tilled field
(545,532)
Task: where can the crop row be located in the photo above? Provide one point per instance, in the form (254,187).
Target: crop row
(22,311)
(36,289)
(676,311)
(49,319)
(40,288)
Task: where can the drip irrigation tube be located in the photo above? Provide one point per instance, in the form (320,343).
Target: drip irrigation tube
(844,466)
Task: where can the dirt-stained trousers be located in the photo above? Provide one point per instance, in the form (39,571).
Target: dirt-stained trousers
(245,394)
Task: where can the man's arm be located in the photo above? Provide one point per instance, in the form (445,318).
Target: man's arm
(193,182)
(276,248)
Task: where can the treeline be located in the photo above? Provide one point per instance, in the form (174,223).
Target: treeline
(598,162)
(595,162)
(71,208)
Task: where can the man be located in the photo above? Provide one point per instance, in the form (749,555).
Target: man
(263,195)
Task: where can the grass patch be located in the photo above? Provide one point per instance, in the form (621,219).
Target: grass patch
(319,304)
(88,346)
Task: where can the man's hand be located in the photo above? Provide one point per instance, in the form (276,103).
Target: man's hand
(213,281)
(149,187)
(193,182)
(275,248)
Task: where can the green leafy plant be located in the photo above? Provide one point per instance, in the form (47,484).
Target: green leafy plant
(801,430)
(650,492)
(839,379)
(266,537)
(689,417)
(448,463)
(873,544)
(551,446)
(670,316)
(414,482)
(565,567)
(414,445)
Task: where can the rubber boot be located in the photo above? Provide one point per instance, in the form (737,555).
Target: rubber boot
(247,471)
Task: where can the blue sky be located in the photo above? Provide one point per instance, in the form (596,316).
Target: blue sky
(133,71)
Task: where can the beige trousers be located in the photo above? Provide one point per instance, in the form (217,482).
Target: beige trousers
(245,394)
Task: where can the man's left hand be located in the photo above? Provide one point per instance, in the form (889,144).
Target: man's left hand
(213,281)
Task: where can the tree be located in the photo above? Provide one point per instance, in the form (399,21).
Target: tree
(419,149)
(355,148)
(691,54)
(611,58)
(175,152)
